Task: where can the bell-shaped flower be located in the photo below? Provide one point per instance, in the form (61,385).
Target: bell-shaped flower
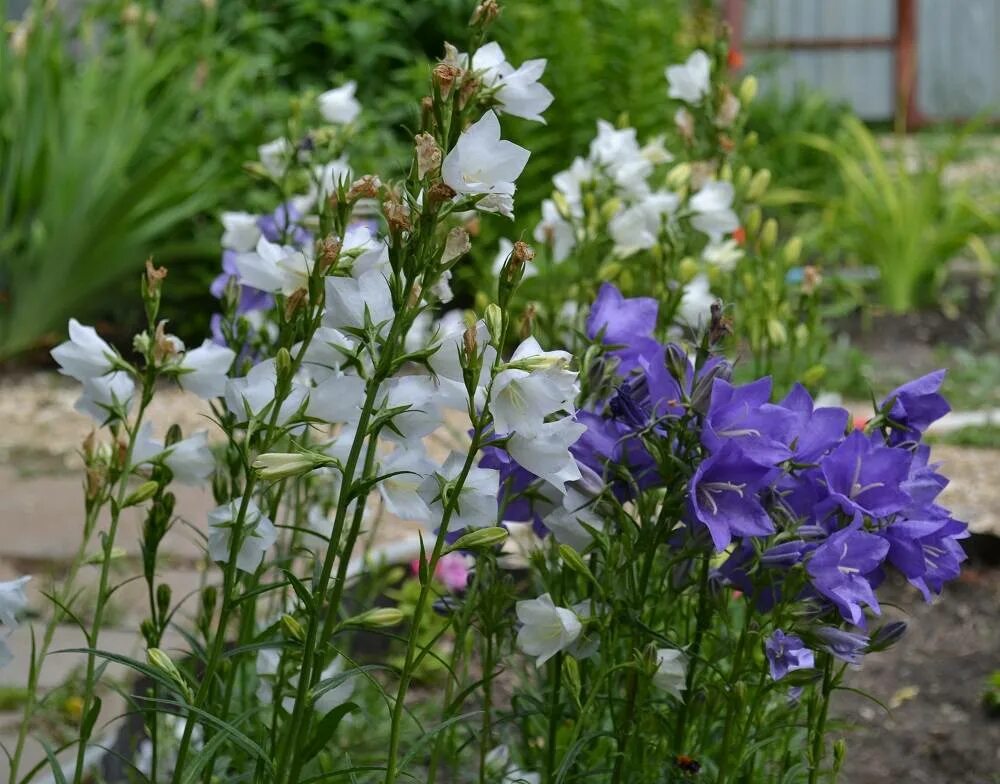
(240,231)
(483,163)
(619,153)
(105,397)
(724,255)
(786,653)
(337,399)
(257,534)
(325,354)
(275,156)
(690,81)
(274,268)
(567,520)
(544,450)
(423,415)
(847,646)
(864,477)
(189,460)
(252,394)
(535,384)
(743,415)
(518,91)
(339,106)
(555,231)
(476,504)
(915,406)
(841,570)
(13,600)
(671,672)
(85,355)
(204,370)
(546,629)
(405,471)
(349,299)
(570,184)
(712,208)
(638,227)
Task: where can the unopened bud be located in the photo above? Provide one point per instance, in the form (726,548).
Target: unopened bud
(292,629)
(572,559)
(272,466)
(610,208)
(366,187)
(769,235)
(522,253)
(87,447)
(98,558)
(209,597)
(143,492)
(753,220)
(748,89)
(468,89)
(758,185)
(439,193)
(776,332)
(687,269)
(743,175)
(160,661)
(494,321)
(792,251)
(283,364)
(726,172)
(380,617)
(679,176)
(469,344)
(428,154)
(456,245)
(163,596)
(480,539)
(888,635)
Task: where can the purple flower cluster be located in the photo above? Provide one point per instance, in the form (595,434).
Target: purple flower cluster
(831,509)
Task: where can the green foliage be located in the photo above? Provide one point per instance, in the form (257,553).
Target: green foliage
(102,153)
(906,223)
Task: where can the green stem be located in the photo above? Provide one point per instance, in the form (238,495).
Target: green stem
(554,711)
(816,755)
(701,624)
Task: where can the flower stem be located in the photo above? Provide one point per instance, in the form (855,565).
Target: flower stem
(818,739)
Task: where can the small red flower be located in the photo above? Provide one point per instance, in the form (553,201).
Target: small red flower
(735,59)
(740,235)
(860,422)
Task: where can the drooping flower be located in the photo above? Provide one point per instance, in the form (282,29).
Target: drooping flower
(785,653)
(535,384)
(547,629)
(840,569)
(915,406)
(690,81)
(339,106)
(555,231)
(722,496)
(476,505)
(348,299)
(103,397)
(274,268)
(253,393)
(544,450)
(257,534)
(189,460)
(337,398)
(275,156)
(671,672)
(85,355)
(566,521)
(405,471)
(240,231)
(712,208)
(843,645)
(204,370)
(481,163)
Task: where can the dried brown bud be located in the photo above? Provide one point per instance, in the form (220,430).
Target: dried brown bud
(415,293)
(528,320)
(95,481)
(428,154)
(427,112)
(684,121)
(154,276)
(164,345)
(469,342)
(486,12)
(811,279)
(726,144)
(468,89)
(329,252)
(439,193)
(720,326)
(522,253)
(396,215)
(366,187)
(445,76)
(294,302)
(87,447)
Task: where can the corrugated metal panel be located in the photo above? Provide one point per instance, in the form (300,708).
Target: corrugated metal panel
(958,53)
(862,77)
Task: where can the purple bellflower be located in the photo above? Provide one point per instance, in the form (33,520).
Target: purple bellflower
(785,653)
(841,567)
(915,406)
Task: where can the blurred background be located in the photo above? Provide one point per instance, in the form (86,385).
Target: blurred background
(125,127)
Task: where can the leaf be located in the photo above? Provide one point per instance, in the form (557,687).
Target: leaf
(57,772)
(87,725)
(301,591)
(325,729)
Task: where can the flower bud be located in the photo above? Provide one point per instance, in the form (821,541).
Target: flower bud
(445,75)
(283,365)
(397,215)
(428,154)
(209,597)
(748,89)
(486,13)
(751,140)
(143,492)
(366,187)
(561,204)
(726,172)
(758,185)
(98,558)
(679,176)
(154,277)
(753,220)
(743,175)
(494,321)
(792,251)
(163,596)
(610,208)
(769,235)
(160,661)
(272,466)
(439,193)
(294,303)
(687,269)
(329,253)
(456,245)
(572,559)
(292,629)
(480,539)
(776,332)
(887,635)
(380,617)
(812,278)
